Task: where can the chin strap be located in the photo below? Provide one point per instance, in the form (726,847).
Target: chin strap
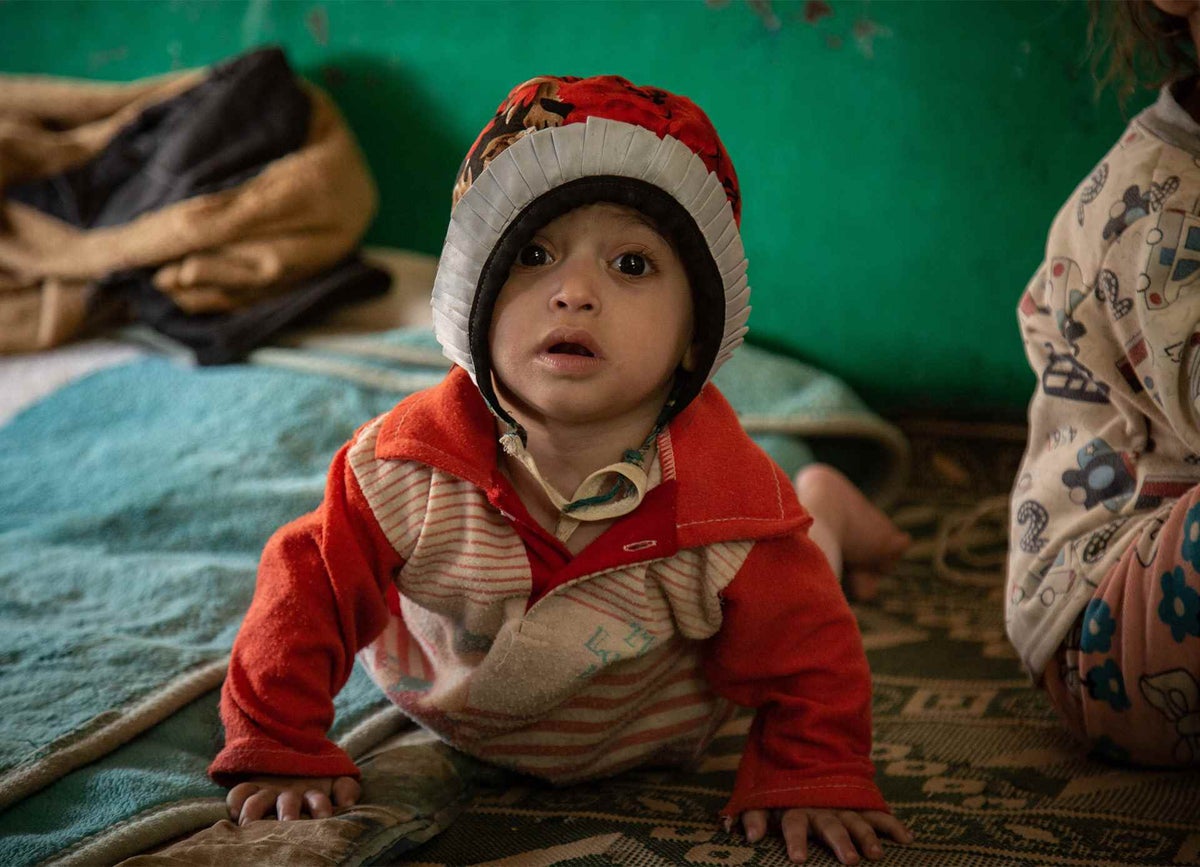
(590,502)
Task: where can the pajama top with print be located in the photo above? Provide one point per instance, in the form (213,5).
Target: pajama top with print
(1111,326)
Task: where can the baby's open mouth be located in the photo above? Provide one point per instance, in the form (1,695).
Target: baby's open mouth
(571,349)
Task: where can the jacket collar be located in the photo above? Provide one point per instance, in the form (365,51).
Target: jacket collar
(448,427)
(728,488)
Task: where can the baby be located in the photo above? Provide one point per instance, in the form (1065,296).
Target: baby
(592,281)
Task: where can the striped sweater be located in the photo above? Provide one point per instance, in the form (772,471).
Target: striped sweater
(482,627)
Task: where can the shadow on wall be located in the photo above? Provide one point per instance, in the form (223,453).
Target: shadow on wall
(403,137)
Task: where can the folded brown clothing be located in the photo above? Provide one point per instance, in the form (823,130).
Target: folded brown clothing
(220,190)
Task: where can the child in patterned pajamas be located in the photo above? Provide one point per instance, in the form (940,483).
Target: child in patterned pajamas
(1104,570)
(591,282)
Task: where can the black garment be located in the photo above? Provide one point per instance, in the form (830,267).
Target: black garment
(220,133)
(248,112)
(221,338)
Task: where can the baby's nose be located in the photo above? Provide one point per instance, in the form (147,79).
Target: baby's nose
(577,291)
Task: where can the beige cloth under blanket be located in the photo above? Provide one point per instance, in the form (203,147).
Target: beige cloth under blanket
(212,253)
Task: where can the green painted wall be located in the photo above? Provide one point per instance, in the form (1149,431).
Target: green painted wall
(900,161)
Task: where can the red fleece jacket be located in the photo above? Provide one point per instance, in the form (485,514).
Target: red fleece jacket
(787,644)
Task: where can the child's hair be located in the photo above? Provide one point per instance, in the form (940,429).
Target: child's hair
(1137,44)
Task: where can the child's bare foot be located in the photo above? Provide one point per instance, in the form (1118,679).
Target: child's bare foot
(870,543)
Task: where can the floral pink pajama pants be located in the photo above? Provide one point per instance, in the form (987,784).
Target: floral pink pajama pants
(1127,678)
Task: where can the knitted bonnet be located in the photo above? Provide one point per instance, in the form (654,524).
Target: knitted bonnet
(556,144)
(559,143)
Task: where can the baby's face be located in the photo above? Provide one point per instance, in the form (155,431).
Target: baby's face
(593,321)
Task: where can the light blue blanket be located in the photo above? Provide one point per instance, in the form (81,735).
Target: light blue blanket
(133,506)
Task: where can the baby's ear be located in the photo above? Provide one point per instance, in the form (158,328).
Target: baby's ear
(688,362)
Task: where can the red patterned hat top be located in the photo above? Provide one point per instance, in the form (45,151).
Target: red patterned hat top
(548,101)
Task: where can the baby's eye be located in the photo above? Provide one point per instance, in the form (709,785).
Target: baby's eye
(632,264)
(533,255)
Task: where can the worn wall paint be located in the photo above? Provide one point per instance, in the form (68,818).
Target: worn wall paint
(900,161)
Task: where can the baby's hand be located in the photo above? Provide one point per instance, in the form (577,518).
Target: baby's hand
(840,829)
(289,797)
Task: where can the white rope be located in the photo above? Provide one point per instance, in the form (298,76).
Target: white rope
(960,534)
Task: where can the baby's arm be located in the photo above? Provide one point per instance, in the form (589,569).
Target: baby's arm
(320,597)
(789,647)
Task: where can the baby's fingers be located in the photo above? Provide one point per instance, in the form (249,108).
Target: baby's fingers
(888,824)
(832,829)
(318,804)
(257,805)
(346,791)
(864,835)
(754,823)
(287,805)
(237,796)
(794,826)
